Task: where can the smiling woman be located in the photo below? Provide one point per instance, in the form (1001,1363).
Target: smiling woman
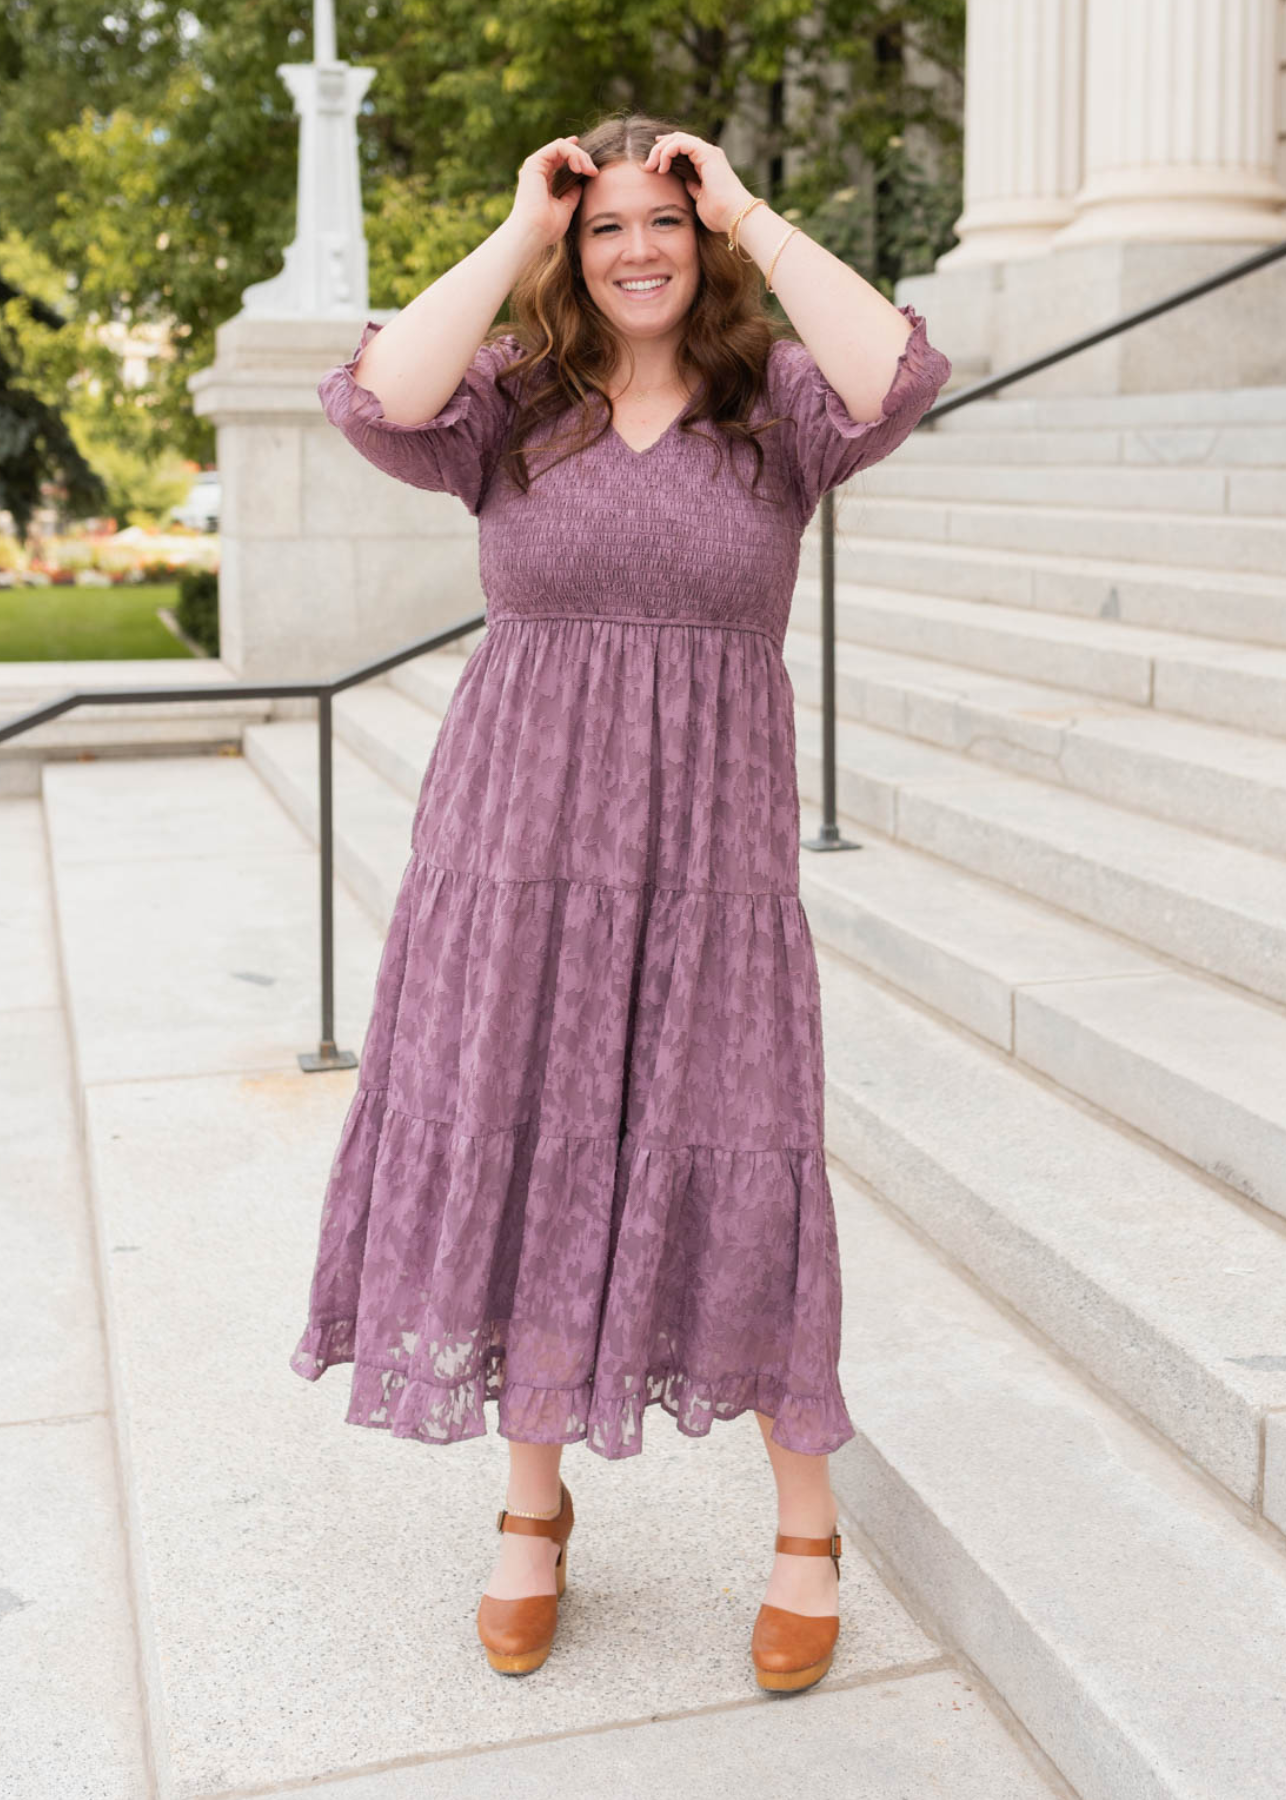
(583,1174)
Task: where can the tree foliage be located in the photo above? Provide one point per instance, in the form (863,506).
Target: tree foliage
(150,152)
(36,445)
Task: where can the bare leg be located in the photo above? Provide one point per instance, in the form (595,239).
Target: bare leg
(525,1564)
(806,1508)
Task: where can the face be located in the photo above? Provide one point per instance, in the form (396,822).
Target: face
(633,225)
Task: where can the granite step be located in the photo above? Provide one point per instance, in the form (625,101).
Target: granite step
(1215,778)
(1210,491)
(1230,445)
(430,680)
(372,821)
(1244,542)
(1196,1066)
(1132,1622)
(1187,408)
(1215,906)
(1217,681)
(392,733)
(910,1732)
(140,728)
(1243,605)
(73,1721)
(1165,1291)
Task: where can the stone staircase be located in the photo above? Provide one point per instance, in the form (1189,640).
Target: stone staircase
(1054,983)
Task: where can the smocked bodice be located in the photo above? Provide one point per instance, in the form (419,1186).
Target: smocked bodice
(674,533)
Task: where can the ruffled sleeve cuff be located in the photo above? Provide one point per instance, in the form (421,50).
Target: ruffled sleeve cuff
(455,451)
(344,398)
(830,444)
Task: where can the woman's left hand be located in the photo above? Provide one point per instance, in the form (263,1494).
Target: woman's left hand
(717,193)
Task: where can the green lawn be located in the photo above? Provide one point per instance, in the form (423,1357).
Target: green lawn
(74,624)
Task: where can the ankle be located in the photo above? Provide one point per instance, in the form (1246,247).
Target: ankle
(808,1519)
(528,1501)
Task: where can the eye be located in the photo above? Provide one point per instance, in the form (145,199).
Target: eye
(668,219)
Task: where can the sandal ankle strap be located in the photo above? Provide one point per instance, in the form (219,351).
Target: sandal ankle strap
(519,1522)
(809,1546)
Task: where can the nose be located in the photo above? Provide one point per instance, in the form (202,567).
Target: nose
(636,247)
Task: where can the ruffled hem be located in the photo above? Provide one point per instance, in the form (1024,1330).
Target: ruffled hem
(388,1400)
(575,1281)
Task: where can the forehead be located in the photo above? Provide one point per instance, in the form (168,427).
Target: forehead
(626,191)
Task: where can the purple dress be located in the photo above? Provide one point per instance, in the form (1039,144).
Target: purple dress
(583,1168)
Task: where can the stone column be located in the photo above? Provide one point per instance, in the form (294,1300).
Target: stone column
(1180,123)
(1022,127)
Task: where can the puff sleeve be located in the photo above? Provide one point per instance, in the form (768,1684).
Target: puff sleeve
(829,445)
(453,453)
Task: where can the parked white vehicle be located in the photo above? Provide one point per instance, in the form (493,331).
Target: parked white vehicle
(205,499)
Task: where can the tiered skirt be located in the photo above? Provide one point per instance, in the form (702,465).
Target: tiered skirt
(583,1172)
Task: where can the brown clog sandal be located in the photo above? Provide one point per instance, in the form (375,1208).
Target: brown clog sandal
(519,1634)
(793,1650)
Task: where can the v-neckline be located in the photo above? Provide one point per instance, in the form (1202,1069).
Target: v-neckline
(658,441)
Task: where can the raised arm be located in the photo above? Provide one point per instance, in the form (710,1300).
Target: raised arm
(855,335)
(829,443)
(418,359)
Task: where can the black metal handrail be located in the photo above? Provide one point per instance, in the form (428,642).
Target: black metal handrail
(327,1056)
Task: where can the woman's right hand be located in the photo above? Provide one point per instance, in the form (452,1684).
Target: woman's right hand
(535,204)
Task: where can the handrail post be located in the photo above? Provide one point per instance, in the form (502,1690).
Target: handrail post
(326,1055)
(829,837)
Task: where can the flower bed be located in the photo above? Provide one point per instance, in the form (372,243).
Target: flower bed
(106,558)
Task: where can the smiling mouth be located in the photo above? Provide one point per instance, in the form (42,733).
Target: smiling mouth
(642,293)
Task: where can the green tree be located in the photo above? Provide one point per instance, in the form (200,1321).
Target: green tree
(37,449)
(152,154)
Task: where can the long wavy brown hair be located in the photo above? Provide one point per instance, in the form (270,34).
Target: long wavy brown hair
(569,349)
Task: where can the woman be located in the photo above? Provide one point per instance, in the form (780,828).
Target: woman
(583,1170)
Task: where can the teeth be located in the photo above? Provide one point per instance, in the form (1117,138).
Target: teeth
(642,287)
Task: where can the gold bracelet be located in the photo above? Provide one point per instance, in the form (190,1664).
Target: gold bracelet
(734,229)
(535,1515)
(776,253)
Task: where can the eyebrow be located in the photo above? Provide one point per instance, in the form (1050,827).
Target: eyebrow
(666,206)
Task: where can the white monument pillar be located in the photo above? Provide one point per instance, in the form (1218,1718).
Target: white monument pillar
(1022,135)
(325,272)
(324,562)
(1180,123)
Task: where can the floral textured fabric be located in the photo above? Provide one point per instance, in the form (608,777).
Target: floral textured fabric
(583,1169)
